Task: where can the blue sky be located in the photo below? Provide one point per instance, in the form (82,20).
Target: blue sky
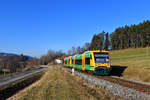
(32,27)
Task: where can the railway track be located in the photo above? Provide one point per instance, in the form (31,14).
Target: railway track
(123,82)
(127,83)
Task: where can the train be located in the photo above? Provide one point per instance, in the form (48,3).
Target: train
(96,61)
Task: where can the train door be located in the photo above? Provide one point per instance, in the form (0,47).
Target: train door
(74,61)
(70,62)
(83,61)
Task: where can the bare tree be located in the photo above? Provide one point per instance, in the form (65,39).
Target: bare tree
(73,50)
(69,52)
(86,46)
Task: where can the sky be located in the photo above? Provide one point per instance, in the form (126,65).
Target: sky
(33,27)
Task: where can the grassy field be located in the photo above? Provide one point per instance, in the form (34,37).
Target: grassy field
(57,84)
(136,60)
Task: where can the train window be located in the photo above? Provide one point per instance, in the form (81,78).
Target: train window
(101,57)
(87,61)
(65,61)
(78,62)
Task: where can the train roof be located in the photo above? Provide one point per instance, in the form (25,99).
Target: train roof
(96,51)
(87,54)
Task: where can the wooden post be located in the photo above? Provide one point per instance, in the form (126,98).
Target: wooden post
(72,71)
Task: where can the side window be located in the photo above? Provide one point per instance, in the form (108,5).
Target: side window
(78,62)
(65,61)
(87,61)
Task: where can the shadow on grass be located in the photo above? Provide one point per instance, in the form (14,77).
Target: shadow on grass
(117,70)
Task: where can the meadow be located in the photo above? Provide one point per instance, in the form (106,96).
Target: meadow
(136,61)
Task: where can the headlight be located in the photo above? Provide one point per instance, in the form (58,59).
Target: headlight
(107,60)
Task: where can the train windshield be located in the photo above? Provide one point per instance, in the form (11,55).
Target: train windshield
(101,57)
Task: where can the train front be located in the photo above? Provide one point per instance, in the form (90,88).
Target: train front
(101,63)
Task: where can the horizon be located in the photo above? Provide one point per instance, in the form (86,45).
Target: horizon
(34,27)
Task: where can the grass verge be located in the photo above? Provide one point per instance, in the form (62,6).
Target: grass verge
(58,84)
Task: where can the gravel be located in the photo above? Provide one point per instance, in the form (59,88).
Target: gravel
(115,89)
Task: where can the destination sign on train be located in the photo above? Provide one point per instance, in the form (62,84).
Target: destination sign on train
(100,55)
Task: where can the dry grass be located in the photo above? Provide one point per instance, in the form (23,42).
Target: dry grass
(137,62)
(1,74)
(57,84)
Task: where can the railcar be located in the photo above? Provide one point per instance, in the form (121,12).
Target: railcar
(65,61)
(96,61)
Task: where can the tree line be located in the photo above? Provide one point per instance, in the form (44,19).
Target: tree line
(19,63)
(133,36)
(13,63)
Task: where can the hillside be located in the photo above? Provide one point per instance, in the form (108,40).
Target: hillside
(136,61)
(13,62)
(12,54)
